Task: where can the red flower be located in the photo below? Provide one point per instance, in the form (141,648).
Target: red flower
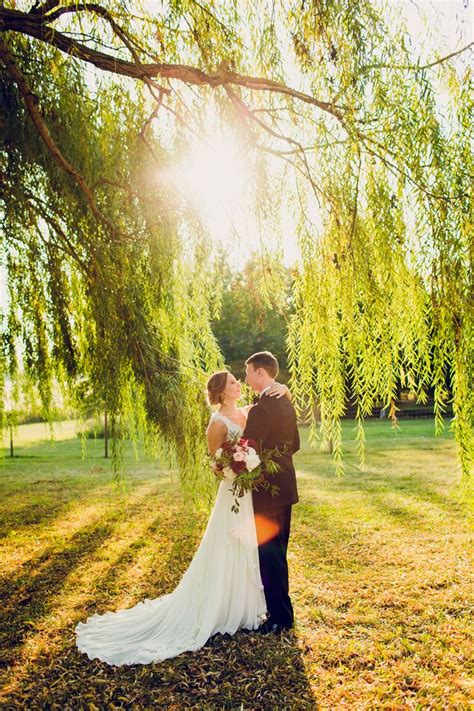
(238,467)
(227,446)
(252,443)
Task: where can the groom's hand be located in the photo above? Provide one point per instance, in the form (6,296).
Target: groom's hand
(279,390)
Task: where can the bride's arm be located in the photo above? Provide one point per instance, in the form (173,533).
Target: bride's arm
(216,434)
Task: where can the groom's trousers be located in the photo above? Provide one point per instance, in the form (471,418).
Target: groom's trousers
(273,532)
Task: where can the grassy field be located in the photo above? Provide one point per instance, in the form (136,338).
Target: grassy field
(380,577)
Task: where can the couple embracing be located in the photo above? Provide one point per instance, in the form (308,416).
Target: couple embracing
(238,577)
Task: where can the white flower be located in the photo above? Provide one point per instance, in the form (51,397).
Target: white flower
(251,450)
(218,453)
(252,461)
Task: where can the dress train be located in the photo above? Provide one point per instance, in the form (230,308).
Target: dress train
(221,591)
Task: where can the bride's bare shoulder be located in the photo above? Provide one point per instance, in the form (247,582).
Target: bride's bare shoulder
(216,419)
(216,427)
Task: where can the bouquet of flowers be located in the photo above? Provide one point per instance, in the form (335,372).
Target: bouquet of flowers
(237,460)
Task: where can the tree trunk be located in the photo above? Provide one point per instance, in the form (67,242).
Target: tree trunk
(106,436)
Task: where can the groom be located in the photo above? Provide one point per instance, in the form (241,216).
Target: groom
(272,424)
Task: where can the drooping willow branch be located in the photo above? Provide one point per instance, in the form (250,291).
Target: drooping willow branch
(35,115)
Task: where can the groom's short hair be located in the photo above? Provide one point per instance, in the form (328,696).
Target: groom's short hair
(265,360)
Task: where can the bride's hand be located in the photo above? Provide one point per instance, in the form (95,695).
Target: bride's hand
(279,390)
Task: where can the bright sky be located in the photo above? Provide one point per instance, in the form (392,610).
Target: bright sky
(450,22)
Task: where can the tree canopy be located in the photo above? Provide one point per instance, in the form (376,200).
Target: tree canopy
(109,268)
(249,320)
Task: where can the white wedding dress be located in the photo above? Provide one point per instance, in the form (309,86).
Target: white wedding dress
(221,591)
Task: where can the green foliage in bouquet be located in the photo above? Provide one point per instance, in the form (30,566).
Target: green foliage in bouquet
(246,468)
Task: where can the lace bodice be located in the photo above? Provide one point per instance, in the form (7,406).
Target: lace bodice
(232,427)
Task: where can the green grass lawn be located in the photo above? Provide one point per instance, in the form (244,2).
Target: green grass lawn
(380,578)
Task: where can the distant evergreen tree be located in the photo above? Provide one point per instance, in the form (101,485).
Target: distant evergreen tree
(249,320)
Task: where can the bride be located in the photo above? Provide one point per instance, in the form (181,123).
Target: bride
(221,591)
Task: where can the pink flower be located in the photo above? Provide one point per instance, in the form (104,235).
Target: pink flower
(239,456)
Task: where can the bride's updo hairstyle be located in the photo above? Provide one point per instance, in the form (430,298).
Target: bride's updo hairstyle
(215,387)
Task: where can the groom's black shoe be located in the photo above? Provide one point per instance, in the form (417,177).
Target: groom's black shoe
(270,627)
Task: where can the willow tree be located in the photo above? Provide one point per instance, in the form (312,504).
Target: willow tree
(109,270)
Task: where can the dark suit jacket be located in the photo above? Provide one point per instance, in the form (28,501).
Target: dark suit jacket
(272,424)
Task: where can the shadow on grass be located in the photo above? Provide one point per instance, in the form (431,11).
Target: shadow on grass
(54,496)
(28,594)
(171,569)
(26,598)
(247,670)
(41,499)
(379,483)
(258,672)
(33,514)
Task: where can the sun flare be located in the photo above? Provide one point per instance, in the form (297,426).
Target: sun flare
(212,176)
(218,179)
